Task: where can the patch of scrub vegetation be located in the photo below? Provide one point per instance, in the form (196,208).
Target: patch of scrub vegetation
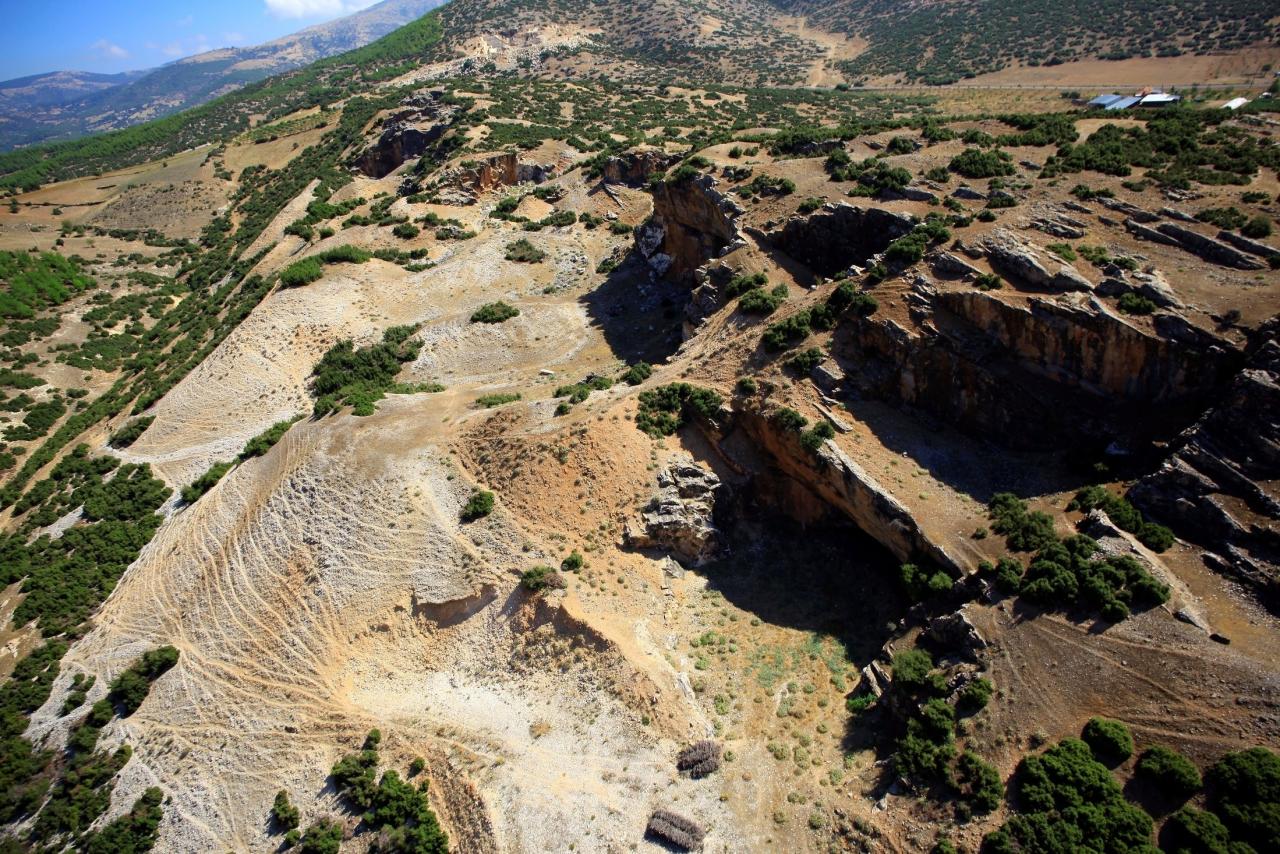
(192,492)
(266,440)
(393,811)
(32,282)
(359,378)
(1064,572)
(524,252)
(488,401)
(664,410)
(494,312)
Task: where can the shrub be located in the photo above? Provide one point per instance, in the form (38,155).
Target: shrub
(1245,792)
(760,301)
(911,669)
(988,282)
(1169,771)
(664,410)
(524,252)
(789,420)
(205,482)
(810,205)
(1109,740)
(976,695)
(980,783)
(783,333)
(324,836)
(1229,218)
(494,312)
(479,505)
(1158,538)
(637,373)
(488,401)
(1132,303)
(1258,227)
(976,163)
(1063,251)
(1198,832)
(300,273)
(540,578)
(573,562)
(284,813)
(806,360)
(345,254)
(360,378)
(813,439)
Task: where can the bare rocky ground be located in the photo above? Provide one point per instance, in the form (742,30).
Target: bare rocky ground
(329,587)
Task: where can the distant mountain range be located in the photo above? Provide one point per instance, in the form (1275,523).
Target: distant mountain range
(68,104)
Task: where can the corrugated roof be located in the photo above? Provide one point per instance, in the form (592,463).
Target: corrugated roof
(1235,103)
(1124,103)
(1104,100)
(1161,98)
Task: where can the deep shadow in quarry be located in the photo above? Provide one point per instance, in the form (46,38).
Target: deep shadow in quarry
(837,237)
(826,577)
(640,316)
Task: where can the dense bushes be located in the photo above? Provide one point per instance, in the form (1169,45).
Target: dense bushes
(540,578)
(1245,792)
(1068,801)
(191,492)
(1158,538)
(494,312)
(393,809)
(31,282)
(479,505)
(361,377)
(977,163)
(130,431)
(266,440)
(1109,740)
(1169,771)
(1063,573)
(664,410)
(637,373)
(300,273)
(921,582)
(130,688)
(762,302)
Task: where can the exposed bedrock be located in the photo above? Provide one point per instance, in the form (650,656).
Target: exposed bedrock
(692,222)
(406,134)
(1035,375)
(838,236)
(1221,488)
(807,486)
(634,167)
(680,518)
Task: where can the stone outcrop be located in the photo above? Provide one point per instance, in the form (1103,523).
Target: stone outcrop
(633,168)
(497,170)
(1253,247)
(1220,487)
(1020,262)
(680,518)
(838,236)
(843,486)
(1208,248)
(1035,375)
(406,134)
(692,222)
(956,635)
(1152,285)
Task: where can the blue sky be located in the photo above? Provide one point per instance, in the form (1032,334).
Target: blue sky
(118,35)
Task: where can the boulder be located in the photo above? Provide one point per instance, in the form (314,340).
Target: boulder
(680,517)
(955,634)
(1016,260)
(1253,247)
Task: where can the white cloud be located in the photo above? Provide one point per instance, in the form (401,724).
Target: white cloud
(108,50)
(315,8)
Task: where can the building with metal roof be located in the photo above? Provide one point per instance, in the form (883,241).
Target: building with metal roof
(1235,103)
(1105,100)
(1123,103)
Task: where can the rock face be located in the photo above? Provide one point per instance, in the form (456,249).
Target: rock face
(839,236)
(498,170)
(1220,488)
(1035,375)
(406,134)
(692,222)
(840,484)
(633,168)
(680,518)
